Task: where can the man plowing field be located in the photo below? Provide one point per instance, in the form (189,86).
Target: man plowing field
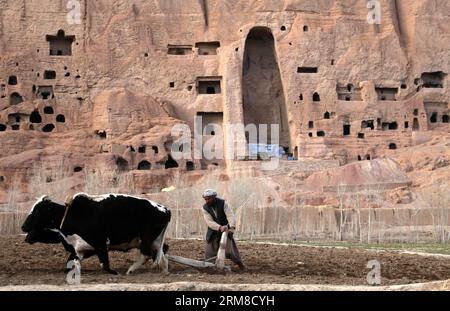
(220,218)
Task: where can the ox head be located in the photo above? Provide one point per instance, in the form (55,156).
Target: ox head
(44,216)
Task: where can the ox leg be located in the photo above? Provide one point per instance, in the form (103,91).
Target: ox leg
(73,255)
(102,253)
(142,259)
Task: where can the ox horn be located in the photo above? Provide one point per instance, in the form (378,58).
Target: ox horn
(69,200)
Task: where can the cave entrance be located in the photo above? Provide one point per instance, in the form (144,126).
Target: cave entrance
(60,45)
(144,166)
(263,95)
(416,125)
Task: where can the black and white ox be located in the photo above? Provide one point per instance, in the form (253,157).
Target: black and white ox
(92,225)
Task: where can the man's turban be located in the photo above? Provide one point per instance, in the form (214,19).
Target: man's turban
(209,193)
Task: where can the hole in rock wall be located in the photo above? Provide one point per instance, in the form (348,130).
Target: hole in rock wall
(179,49)
(385,93)
(49,75)
(60,45)
(101,134)
(348,92)
(445,118)
(416,125)
(60,118)
(434,117)
(207,48)
(263,92)
(15,99)
(45,92)
(307,70)
(316,97)
(367,124)
(15,118)
(171,163)
(389,126)
(12,80)
(311,124)
(433,79)
(35,117)
(142,149)
(305,28)
(393,126)
(48,128)
(361,135)
(392,146)
(190,166)
(209,86)
(155,149)
(48,110)
(347,129)
(77,169)
(406,124)
(2,127)
(144,166)
(122,164)
(320,134)
(326,115)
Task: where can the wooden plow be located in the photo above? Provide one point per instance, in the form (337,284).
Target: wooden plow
(219,259)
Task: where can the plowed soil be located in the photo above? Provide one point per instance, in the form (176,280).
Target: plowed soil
(24,264)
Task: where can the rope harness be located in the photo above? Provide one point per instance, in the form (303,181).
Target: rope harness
(68,205)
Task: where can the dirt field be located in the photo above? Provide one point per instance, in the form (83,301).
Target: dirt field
(22,264)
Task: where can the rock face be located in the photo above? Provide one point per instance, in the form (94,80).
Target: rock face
(104,88)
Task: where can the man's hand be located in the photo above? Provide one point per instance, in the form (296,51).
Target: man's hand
(223,229)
